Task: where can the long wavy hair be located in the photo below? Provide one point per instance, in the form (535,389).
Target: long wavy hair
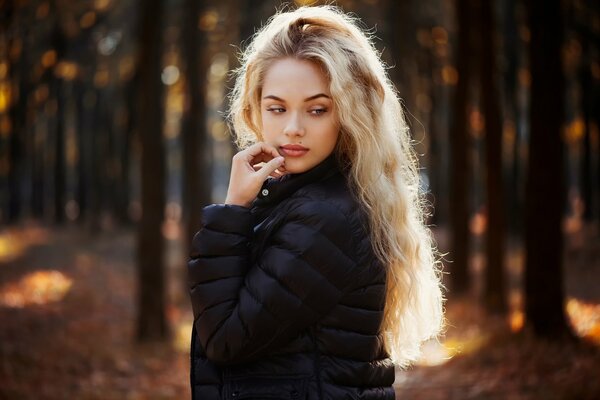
(375,141)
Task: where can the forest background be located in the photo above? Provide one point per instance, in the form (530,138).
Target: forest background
(112,138)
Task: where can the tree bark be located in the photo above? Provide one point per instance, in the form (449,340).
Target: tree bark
(513,110)
(151,320)
(197,187)
(460,163)
(587,86)
(494,297)
(545,186)
(17,115)
(60,115)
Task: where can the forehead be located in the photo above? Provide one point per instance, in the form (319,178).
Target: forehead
(294,78)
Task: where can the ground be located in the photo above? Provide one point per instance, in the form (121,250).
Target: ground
(67,313)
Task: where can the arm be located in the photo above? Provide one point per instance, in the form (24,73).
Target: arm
(240,310)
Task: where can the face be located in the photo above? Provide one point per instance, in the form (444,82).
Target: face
(297,113)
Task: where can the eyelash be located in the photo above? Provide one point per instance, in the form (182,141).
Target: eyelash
(279,110)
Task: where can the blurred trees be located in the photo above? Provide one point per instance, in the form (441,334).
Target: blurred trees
(545,194)
(93,135)
(66,69)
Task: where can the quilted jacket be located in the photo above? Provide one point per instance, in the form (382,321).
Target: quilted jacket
(288,296)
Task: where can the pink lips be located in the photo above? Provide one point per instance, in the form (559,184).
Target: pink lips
(294,150)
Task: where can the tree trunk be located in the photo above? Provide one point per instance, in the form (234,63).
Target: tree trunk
(587,85)
(17,115)
(59,117)
(124,196)
(85,165)
(545,186)
(151,320)
(596,120)
(460,162)
(494,298)
(435,137)
(197,187)
(513,109)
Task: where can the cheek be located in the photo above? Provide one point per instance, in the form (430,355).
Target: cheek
(330,132)
(268,125)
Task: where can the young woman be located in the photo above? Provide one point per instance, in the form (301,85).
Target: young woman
(317,275)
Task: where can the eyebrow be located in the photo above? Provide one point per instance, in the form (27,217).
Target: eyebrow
(316,96)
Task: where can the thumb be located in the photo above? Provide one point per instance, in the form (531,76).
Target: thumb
(269,167)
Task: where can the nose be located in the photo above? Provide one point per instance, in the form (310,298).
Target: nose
(294,126)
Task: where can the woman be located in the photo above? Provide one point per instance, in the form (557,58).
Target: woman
(317,275)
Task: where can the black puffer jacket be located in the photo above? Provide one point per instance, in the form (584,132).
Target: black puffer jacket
(288,296)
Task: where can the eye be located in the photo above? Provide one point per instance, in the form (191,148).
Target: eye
(318,111)
(276,110)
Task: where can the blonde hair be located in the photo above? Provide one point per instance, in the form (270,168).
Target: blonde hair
(375,142)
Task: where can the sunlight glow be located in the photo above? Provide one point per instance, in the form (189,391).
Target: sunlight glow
(516,320)
(183,336)
(170,75)
(10,247)
(14,242)
(4,96)
(436,352)
(40,287)
(585,319)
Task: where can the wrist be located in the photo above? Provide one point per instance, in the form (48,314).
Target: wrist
(237,202)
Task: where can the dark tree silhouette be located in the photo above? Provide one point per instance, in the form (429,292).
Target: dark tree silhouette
(459,156)
(197,187)
(402,40)
(9,21)
(151,321)
(494,297)
(122,198)
(87,172)
(545,188)
(59,43)
(513,111)
(587,87)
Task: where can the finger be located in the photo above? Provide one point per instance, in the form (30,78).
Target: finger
(270,167)
(262,157)
(261,147)
(277,173)
(261,165)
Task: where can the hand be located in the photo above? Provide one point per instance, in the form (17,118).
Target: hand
(249,169)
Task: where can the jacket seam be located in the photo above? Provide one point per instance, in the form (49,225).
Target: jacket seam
(290,291)
(346,214)
(301,257)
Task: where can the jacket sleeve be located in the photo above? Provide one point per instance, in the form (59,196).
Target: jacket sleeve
(241,310)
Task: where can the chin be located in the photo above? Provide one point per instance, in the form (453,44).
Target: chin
(295,167)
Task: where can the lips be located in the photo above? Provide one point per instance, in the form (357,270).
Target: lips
(294,150)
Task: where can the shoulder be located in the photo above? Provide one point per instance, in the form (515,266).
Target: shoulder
(330,195)
(329,207)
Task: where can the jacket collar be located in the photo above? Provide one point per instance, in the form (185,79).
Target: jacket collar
(274,190)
